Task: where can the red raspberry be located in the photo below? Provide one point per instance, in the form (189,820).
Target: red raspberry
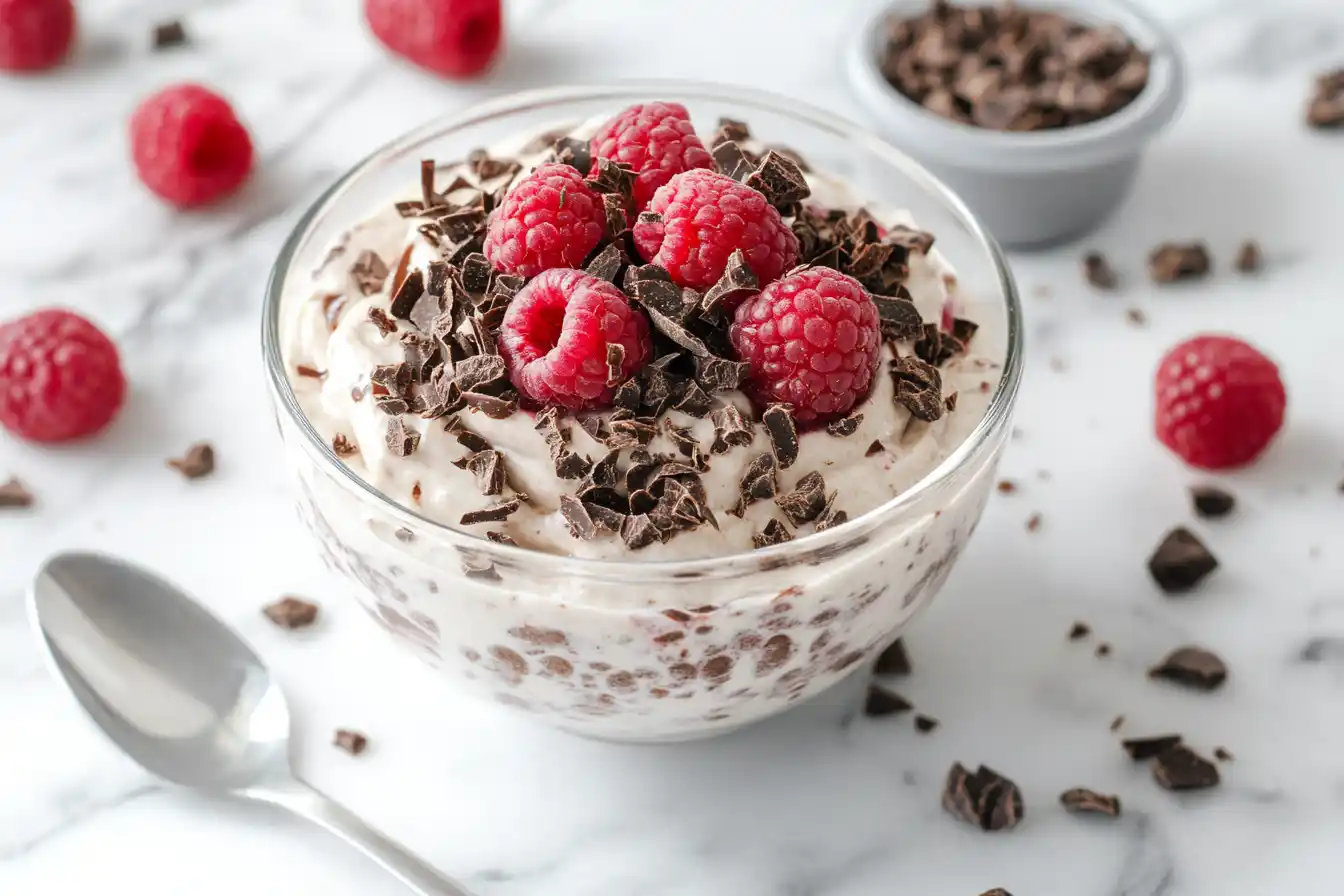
(706,216)
(456,38)
(812,341)
(60,377)
(1219,402)
(555,336)
(188,146)
(550,219)
(35,34)
(657,140)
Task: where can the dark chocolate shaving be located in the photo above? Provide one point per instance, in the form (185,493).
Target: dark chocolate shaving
(573,151)
(736,283)
(986,798)
(167,35)
(1141,748)
(1080,800)
(401,440)
(385,324)
(783,433)
(731,160)
(1180,562)
(758,479)
(731,429)
(719,374)
(807,500)
(615,358)
(1193,667)
(369,272)
(919,387)
(607,264)
(899,317)
(198,462)
(780,180)
(343,446)
(1181,768)
(14,494)
(495,513)
(774,533)
(845,426)
(638,531)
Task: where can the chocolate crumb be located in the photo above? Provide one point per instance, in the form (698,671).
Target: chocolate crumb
(774,533)
(925,724)
(1180,562)
(1141,748)
(1080,800)
(1103,650)
(874,449)
(351,742)
(1211,502)
(343,446)
(1249,258)
(14,494)
(1222,754)
(1006,487)
(1171,262)
(291,612)
(893,661)
(882,702)
(385,324)
(1079,631)
(1034,522)
(199,461)
(1098,271)
(1136,316)
(783,433)
(1181,768)
(167,35)
(401,440)
(1193,667)
(845,426)
(731,129)
(309,372)
(494,513)
(500,538)
(1326,107)
(984,798)
(1117,722)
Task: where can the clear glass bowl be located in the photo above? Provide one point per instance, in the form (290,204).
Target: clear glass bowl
(633,649)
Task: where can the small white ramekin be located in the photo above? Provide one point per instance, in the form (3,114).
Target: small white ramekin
(1039,188)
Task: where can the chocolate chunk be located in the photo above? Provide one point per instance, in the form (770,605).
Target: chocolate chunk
(912,239)
(882,702)
(875,449)
(985,799)
(732,160)
(719,374)
(486,374)
(1103,650)
(385,324)
(410,208)
(693,401)
(805,503)
(487,168)
(1222,754)
(343,446)
(925,724)
(488,468)
(1192,666)
(577,520)
(1079,631)
(14,494)
(1181,768)
(779,179)
(291,612)
(614,177)
(394,379)
(774,533)
(892,661)
(167,35)
(737,282)
(628,395)
(845,426)
(617,220)
(919,387)
(351,742)
(494,513)
(305,370)
(1211,502)
(475,273)
(731,129)
(1099,272)
(1080,800)
(1180,562)
(1171,262)
(500,538)
(731,429)
(758,479)
(638,531)
(830,516)
(369,272)
(605,518)
(607,264)
(997,891)
(199,461)
(1249,259)
(615,358)
(1141,748)
(783,433)
(1325,110)
(573,151)
(401,441)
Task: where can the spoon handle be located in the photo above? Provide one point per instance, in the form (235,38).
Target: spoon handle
(414,872)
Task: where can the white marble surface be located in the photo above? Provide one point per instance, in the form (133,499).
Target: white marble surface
(814,804)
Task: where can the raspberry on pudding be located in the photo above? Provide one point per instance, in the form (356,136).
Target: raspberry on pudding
(549,219)
(657,141)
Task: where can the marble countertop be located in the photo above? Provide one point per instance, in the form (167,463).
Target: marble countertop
(816,804)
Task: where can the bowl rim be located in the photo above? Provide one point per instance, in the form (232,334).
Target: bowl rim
(1122,133)
(993,422)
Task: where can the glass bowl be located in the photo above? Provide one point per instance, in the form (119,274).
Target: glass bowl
(635,649)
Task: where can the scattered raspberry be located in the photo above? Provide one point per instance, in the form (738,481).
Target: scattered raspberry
(35,34)
(706,216)
(1219,402)
(456,38)
(550,219)
(657,140)
(812,340)
(556,333)
(60,377)
(188,146)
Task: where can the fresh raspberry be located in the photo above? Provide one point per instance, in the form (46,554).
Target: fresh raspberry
(35,34)
(556,333)
(550,219)
(657,140)
(705,217)
(1219,402)
(188,146)
(60,377)
(812,341)
(456,38)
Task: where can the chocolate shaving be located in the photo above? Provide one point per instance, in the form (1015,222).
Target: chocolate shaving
(1180,562)
(925,724)
(1181,768)
(986,798)
(628,395)
(736,283)
(1249,258)
(1193,667)
(1141,748)
(618,222)
(893,661)
(291,612)
(731,160)
(199,461)
(14,494)
(343,446)
(919,387)
(1325,110)
(385,324)
(783,433)
(401,441)
(577,519)
(488,468)
(1171,262)
(731,429)
(731,129)
(573,151)
(167,35)
(719,374)
(606,265)
(882,702)
(1099,272)
(495,513)
(694,401)
(682,438)
(614,177)
(638,531)
(807,500)
(500,538)
(830,516)
(758,479)
(774,533)
(394,378)
(1080,800)
(845,426)
(875,449)
(369,272)
(486,374)
(779,179)
(615,358)
(899,317)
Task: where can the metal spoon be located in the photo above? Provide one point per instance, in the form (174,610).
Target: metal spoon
(181,694)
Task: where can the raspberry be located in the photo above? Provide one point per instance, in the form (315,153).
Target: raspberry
(35,34)
(812,341)
(60,377)
(657,140)
(555,336)
(456,38)
(706,216)
(550,219)
(1219,402)
(188,146)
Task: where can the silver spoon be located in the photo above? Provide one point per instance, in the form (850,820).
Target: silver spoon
(181,694)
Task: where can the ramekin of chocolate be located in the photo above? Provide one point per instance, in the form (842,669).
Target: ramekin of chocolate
(1037,114)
